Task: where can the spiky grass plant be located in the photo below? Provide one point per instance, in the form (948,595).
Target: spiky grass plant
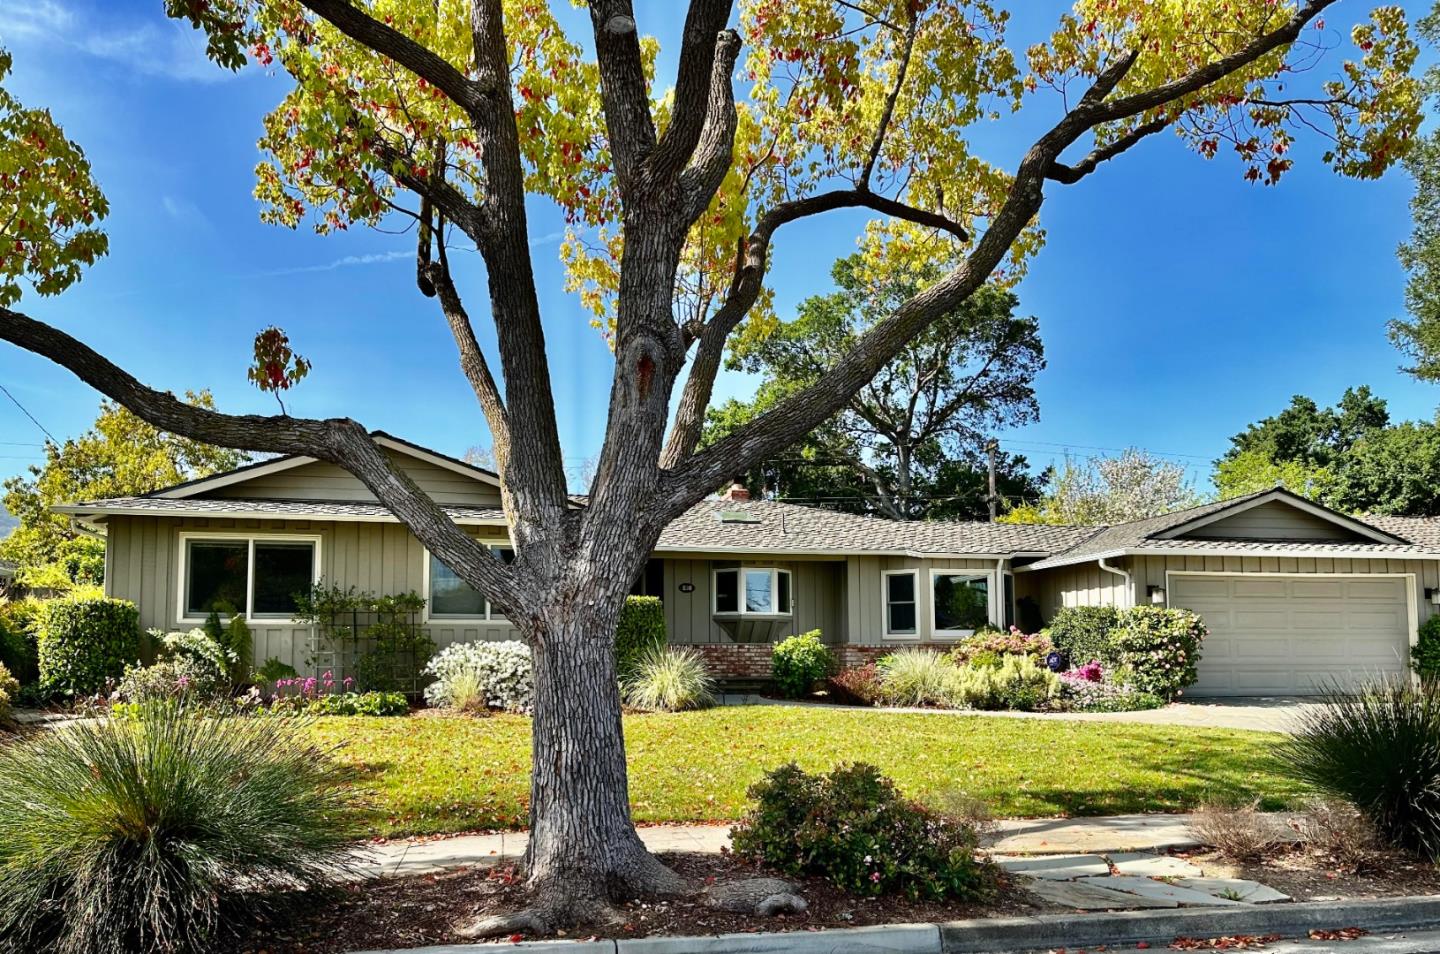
(1379,750)
(915,677)
(135,833)
(667,679)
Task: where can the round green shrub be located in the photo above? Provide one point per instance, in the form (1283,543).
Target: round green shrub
(19,620)
(853,828)
(799,662)
(83,643)
(1157,649)
(1083,633)
(9,688)
(640,629)
(1377,749)
(1425,655)
(136,834)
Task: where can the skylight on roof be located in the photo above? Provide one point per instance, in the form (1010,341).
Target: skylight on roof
(737,516)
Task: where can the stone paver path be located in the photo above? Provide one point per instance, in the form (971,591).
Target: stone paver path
(1045,837)
(1123,880)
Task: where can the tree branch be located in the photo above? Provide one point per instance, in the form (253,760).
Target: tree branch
(339,441)
(433,188)
(695,88)
(889,111)
(745,289)
(1073,174)
(623,90)
(712,156)
(364,29)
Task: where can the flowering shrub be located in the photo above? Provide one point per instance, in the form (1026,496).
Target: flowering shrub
(853,828)
(1157,649)
(196,645)
(1083,695)
(1019,682)
(991,644)
(799,662)
(504,670)
(857,685)
(1090,672)
(179,677)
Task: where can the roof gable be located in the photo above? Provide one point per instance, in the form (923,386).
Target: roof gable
(1276,515)
(304,477)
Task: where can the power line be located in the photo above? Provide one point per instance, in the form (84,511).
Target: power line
(14,401)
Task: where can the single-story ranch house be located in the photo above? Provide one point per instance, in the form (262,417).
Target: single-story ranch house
(1292,592)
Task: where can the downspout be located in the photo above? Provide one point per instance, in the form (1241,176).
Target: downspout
(1124,575)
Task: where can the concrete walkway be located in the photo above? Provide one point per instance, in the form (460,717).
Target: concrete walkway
(1257,713)
(1029,836)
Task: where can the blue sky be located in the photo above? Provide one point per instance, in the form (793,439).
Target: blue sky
(1177,303)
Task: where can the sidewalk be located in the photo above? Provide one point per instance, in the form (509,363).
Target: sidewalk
(1026,836)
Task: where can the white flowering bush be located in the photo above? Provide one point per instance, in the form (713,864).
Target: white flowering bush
(1157,649)
(502,671)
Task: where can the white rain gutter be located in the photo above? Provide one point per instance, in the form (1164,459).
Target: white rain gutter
(1123,574)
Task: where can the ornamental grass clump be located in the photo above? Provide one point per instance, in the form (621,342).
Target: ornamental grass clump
(1377,749)
(916,677)
(669,679)
(852,827)
(138,834)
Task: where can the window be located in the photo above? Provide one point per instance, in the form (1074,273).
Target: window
(962,601)
(901,615)
(255,576)
(767,591)
(452,598)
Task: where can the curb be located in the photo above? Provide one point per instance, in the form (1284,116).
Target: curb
(1015,934)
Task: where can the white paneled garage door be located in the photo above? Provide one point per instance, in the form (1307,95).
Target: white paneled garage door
(1289,635)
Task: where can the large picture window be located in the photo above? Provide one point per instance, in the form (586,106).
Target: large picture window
(753,591)
(901,607)
(961,601)
(452,598)
(258,577)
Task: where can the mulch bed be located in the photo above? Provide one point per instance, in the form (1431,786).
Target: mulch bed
(412,912)
(1310,876)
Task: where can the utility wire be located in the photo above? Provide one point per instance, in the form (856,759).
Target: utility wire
(23,410)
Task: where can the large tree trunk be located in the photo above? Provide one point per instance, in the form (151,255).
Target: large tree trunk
(584,852)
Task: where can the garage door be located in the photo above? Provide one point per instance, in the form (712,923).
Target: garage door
(1291,635)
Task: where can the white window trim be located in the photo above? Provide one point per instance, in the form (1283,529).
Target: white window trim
(740,609)
(490,615)
(885,633)
(250,537)
(990,599)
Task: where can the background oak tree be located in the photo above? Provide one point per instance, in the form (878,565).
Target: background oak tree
(449,113)
(910,444)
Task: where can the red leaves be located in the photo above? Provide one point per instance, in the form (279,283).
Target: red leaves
(1339,934)
(1233,942)
(276,367)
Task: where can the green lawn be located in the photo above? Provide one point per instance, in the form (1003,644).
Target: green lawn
(430,775)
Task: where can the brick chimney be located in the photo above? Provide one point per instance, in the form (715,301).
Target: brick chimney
(737,492)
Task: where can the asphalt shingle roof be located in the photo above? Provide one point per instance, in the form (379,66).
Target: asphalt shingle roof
(1424,531)
(294,509)
(789,527)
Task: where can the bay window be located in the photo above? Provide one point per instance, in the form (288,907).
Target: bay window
(753,591)
(961,600)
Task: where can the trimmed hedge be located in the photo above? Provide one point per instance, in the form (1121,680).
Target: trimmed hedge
(18,653)
(640,631)
(1083,633)
(1425,656)
(83,643)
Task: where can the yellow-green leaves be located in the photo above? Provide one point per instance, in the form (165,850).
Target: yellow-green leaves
(50,205)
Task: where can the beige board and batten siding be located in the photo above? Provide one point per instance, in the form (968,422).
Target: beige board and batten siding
(865,596)
(817,595)
(1273,520)
(143,556)
(1080,584)
(322,481)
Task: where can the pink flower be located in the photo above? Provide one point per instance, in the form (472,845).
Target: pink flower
(874,876)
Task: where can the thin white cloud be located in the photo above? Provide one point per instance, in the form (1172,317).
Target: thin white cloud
(549,238)
(349,261)
(184,212)
(167,49)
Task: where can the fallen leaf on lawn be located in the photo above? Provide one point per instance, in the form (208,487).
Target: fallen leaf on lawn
(1340,934)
